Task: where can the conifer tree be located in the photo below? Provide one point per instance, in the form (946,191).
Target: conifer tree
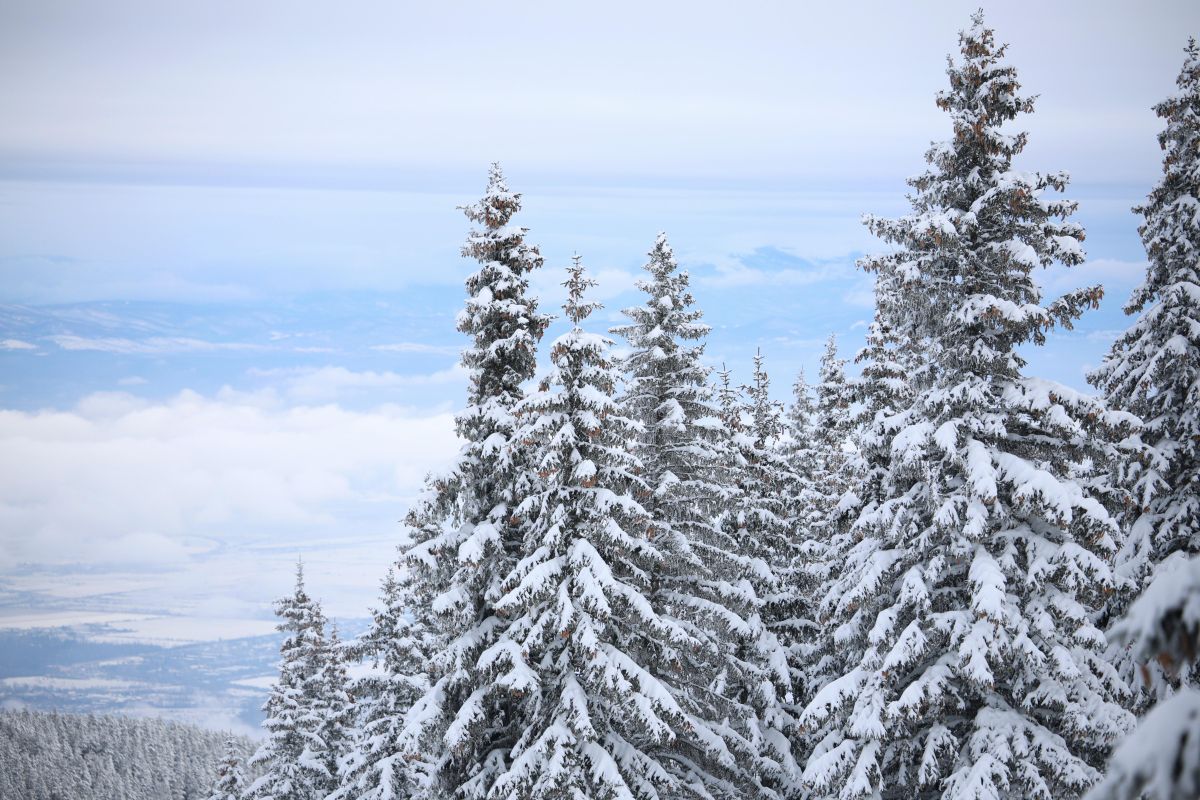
(800,450)
(831,416)
(377,766)
(689,472)
(805,501)
(229,781)
(1160,760)
(606,713)
(1153,369)
(467,536)
(832,428)
(293,755)
(765,536)
(332,713)
(968,665)
(666,390)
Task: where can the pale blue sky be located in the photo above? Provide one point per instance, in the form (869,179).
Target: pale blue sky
(229,244)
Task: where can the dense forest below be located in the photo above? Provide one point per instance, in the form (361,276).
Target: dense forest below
(52,756)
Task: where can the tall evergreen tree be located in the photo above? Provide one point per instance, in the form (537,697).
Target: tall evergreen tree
(467,536)
(805,502)
(831,416)
(605,711)
(831,437)
(687,469)
(969,666)
(332,712)
(667,392)
(800,449)
(1153,369)
(766,536)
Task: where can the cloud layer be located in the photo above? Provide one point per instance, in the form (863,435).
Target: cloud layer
(118,480)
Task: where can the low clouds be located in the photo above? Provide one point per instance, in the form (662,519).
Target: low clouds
(121,480)
(157,345)
(773,267)
(418,347)
(329,383)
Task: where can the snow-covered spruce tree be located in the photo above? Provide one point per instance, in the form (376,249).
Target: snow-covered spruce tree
(799,448)
(684,449)
(293,755)
(466,535)
(764,533)
(376,767)
(229,781)
(831,434)
(1160,760)
(805,500)
(962,614)
(831,417)
(333,711)
(1153,369)
(666,390)
(605,711)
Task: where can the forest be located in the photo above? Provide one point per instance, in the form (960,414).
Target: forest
(50,756)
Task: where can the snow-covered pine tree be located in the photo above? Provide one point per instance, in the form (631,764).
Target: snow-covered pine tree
(333,714)
(666,390)
(466,535)
(805,501)
(229,782)
(1153,369)
(1160,760)
(969,666)
(799,448)
(293,753)
(764,533)
(684,449)
(376,767)
(606,713)
(729,401)
(831,418)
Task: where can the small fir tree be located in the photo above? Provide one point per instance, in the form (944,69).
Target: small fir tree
(293,756)
(229,781)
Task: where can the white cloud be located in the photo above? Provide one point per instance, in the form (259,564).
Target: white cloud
(763,90)
(16,344)
(118,479)
(319,384)
(157,345)
(735,273)
(418,347)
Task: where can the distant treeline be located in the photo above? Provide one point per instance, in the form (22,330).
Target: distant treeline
(52,756)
